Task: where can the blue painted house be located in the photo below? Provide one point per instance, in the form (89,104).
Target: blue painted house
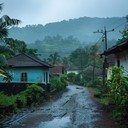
(26,69)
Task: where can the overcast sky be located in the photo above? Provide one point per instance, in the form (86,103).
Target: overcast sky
(47,11)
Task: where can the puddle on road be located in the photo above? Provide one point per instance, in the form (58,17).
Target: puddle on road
(57,122)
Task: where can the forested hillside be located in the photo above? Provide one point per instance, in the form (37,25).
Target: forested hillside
(65,36)
(81,28)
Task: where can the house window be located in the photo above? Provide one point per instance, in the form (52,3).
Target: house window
(118,63)
(44,77)
(24,77)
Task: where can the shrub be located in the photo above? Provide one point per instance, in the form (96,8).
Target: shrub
(118,92)
(58,82)
(71,77)
(34,91)
(7,100)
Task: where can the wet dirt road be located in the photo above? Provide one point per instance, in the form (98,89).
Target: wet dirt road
(73,109)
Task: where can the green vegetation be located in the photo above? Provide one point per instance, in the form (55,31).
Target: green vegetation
(58,83)
(56,44)
(5,23)
(124,32)
(34,91)
(118,92)
(81,28)
(7,100)
(33,94)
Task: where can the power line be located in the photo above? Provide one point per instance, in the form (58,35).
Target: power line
(120,25)
(114,22)
(104,32)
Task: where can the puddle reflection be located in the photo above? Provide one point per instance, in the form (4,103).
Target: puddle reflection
(57,123)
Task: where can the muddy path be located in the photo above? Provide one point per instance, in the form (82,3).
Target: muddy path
(76,108)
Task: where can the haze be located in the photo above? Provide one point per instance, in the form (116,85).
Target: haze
(47,11)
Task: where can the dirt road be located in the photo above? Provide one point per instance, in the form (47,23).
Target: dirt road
(73,109)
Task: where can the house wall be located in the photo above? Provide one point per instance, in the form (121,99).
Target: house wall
(76,72)
(35,75)
(123,57)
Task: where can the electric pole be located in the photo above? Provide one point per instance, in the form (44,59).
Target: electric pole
(104,32)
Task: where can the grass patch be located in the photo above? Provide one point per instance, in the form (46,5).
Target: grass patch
(7,100)
(103,99)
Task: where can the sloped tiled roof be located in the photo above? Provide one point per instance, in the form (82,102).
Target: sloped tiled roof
(25,60)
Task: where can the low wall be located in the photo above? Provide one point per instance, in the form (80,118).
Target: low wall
(14,88)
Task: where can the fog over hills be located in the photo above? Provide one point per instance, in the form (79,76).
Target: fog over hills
(66,36)
(81,28)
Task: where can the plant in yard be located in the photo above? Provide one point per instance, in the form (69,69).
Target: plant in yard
(58,83)
(34,91)
(71,77)
(118,92)
(64,83)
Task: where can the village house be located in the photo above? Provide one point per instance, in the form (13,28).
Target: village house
(117,56)
(57,70)
(74,70)
(26,69)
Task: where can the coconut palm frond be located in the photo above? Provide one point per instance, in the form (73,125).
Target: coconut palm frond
(3,30)
(8,21)
(2,72)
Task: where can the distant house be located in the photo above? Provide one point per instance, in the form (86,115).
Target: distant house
(118,56)
(73,70)
(57,70)
(26,69)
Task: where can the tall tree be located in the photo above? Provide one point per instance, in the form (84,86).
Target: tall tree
(80,57)
(54,59)
(124,32)
(94,58)
(18,46)
(5,23)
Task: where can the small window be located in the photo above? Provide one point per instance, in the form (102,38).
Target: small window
(24,77)
(118,63)
(44,77)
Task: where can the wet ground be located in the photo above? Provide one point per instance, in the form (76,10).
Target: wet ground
(76,108)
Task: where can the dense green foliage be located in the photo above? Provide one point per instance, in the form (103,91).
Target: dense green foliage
(54,59)
(24,99)
(58,83)
(50,45)
(17,46)
(7,100)
(34,91)
(118,92)
(124,32)
(5,23)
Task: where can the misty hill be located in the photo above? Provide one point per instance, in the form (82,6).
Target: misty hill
(66,36)
(81,28)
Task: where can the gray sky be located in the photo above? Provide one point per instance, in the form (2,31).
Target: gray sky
(47,11)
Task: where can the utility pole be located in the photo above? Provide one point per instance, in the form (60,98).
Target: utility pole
(104,32)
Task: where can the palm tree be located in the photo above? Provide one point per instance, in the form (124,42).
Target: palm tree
(54,59)
(5,23)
